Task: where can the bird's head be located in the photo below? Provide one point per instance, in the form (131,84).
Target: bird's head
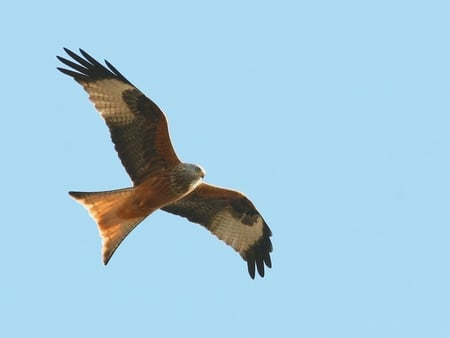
(199,170)
(187,176)
(194,171)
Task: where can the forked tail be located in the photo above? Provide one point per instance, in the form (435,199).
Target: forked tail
(103,207)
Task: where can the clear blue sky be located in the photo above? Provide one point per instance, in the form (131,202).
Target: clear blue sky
(332,116)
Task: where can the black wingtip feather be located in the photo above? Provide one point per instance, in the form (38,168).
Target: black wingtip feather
(114,69)
(259,254)
(251,268)
(87,68)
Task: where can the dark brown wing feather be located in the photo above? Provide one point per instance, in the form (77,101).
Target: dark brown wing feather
(233,218)
(138,127)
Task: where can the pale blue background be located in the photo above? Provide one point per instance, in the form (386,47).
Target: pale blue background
(332,116)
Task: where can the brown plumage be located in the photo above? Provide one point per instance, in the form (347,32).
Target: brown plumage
(160,180)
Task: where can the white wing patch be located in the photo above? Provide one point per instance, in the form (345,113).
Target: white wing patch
(106,95)
(232,231)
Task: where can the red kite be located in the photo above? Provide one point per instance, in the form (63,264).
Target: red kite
(160,180)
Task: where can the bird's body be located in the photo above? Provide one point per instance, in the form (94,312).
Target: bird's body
(118,212)
(160,180)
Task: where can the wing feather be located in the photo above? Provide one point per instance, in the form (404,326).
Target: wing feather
(138,127)
(233,218)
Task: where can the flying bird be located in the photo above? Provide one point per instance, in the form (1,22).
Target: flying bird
(140,134)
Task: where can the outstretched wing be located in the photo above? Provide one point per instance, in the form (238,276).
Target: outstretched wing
(233,218)
(138,127)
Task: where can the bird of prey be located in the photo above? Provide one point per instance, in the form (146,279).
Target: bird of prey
(140,134)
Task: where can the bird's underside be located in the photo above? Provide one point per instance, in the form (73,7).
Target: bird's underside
(160,180)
